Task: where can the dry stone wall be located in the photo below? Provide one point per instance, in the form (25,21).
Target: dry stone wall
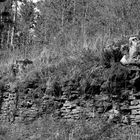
(29,99)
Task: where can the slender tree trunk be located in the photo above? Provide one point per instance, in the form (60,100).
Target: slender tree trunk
(2,38)
(84,28)
(0,30)
(8,35)
(14,21)
(74,11)
(62,19)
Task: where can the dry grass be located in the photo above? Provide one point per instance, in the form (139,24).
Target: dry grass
(52,64)
(48,128)
(55,56)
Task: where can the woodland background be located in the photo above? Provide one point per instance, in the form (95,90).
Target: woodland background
(67,25)
(65,40)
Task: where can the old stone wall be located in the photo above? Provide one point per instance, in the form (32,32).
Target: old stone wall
(27,99)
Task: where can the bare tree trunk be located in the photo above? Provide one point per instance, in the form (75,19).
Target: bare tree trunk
(62,18)
(0,29)
(2,39)
(13,28)
(8,35)
(84,28)
(74,11)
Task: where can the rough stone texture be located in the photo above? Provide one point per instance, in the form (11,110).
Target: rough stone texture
(135,107)
(9,103)
(72,109)
(30,98)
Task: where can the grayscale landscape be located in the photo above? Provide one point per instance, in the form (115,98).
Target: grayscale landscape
(70,70)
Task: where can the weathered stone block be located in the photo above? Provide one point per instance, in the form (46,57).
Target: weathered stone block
(135,102)
(134,107)
(132,97)
(137,111)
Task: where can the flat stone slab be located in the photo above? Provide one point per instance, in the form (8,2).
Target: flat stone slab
(135,102)
(134,107)
(136,94)
(132,97)
(135,117)
(75,92)
(135,112)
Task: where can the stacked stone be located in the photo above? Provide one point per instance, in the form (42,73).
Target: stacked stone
(9,104)
(135,107)
(70,108)
(70,90)
(28,115)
